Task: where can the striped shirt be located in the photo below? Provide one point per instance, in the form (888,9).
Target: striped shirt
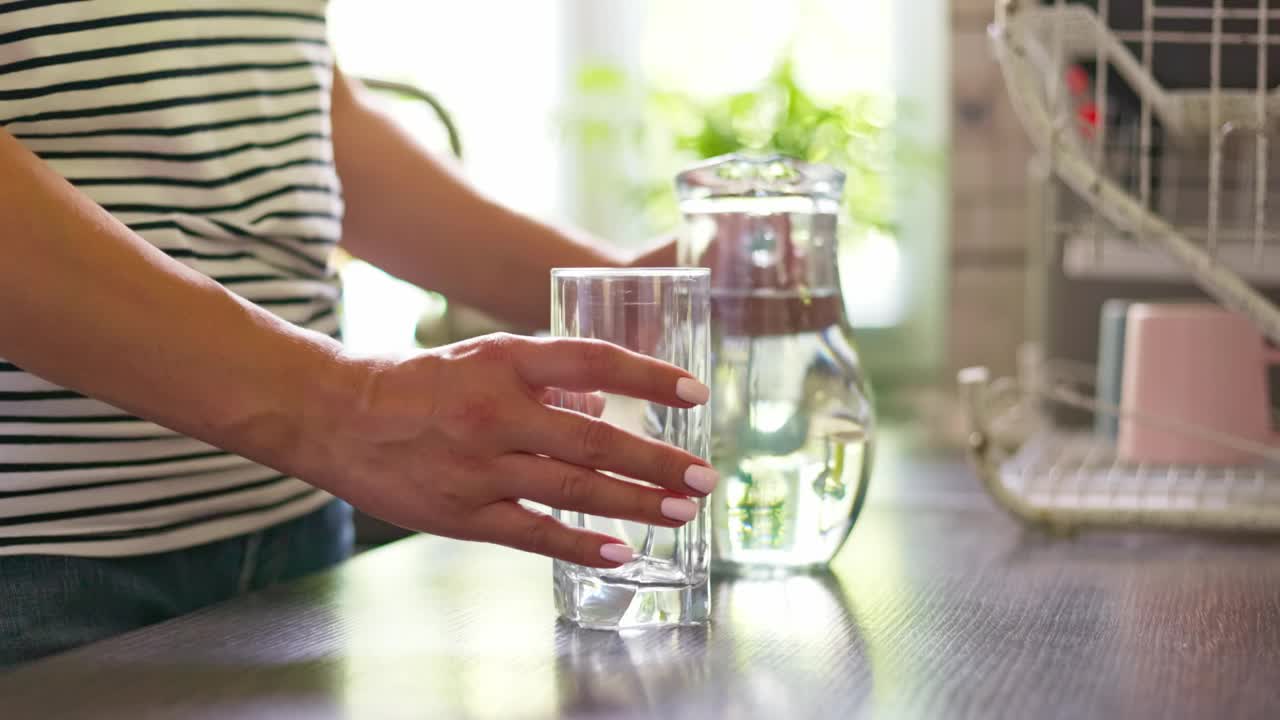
(204,127)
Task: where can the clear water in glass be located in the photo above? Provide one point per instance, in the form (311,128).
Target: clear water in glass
(664,313)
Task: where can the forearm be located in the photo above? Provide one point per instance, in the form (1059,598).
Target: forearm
(413,216)
(90,306)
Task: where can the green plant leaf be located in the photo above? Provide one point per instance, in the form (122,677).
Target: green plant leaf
(779,115)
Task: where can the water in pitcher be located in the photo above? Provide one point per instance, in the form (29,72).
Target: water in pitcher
(791,418)
(795,458)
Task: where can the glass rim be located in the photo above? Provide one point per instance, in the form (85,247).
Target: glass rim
(637,272)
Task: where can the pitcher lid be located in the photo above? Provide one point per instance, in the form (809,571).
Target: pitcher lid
(747,175)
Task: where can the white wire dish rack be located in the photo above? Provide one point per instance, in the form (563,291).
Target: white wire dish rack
(1065,479)
(1140,108)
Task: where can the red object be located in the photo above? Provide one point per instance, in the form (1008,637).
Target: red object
(1086,110)
(1077,80)
(1089,114)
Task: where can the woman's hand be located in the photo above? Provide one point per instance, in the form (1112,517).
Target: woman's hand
(449,440)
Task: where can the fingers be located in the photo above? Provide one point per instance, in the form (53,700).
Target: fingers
(593,443)
(588,365)
(570,487)
(508,523)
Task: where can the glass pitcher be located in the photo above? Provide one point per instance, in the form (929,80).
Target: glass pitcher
(792,426)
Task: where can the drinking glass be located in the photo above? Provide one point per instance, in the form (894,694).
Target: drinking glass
(664,313)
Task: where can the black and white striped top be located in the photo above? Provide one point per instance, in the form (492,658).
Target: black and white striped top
(204,127)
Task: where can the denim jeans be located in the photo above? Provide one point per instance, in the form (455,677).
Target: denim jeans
(51,603)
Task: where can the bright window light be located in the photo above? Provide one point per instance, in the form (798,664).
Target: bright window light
(505,71)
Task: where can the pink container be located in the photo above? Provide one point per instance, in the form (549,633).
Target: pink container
(1198,364)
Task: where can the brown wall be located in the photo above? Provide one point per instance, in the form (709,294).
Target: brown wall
(989,224)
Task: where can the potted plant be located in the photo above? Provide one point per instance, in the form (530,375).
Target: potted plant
(667,130)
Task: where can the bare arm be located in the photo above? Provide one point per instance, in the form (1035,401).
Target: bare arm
(415,217)
(93,307)
(444,441)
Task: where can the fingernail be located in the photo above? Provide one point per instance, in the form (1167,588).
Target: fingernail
(617,553)
(692,391)
(679,509)
(702,479)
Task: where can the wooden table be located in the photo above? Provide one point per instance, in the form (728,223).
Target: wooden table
(940,606)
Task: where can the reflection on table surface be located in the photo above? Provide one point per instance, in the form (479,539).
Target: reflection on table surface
(747,664)
(936,608)
(490,636)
